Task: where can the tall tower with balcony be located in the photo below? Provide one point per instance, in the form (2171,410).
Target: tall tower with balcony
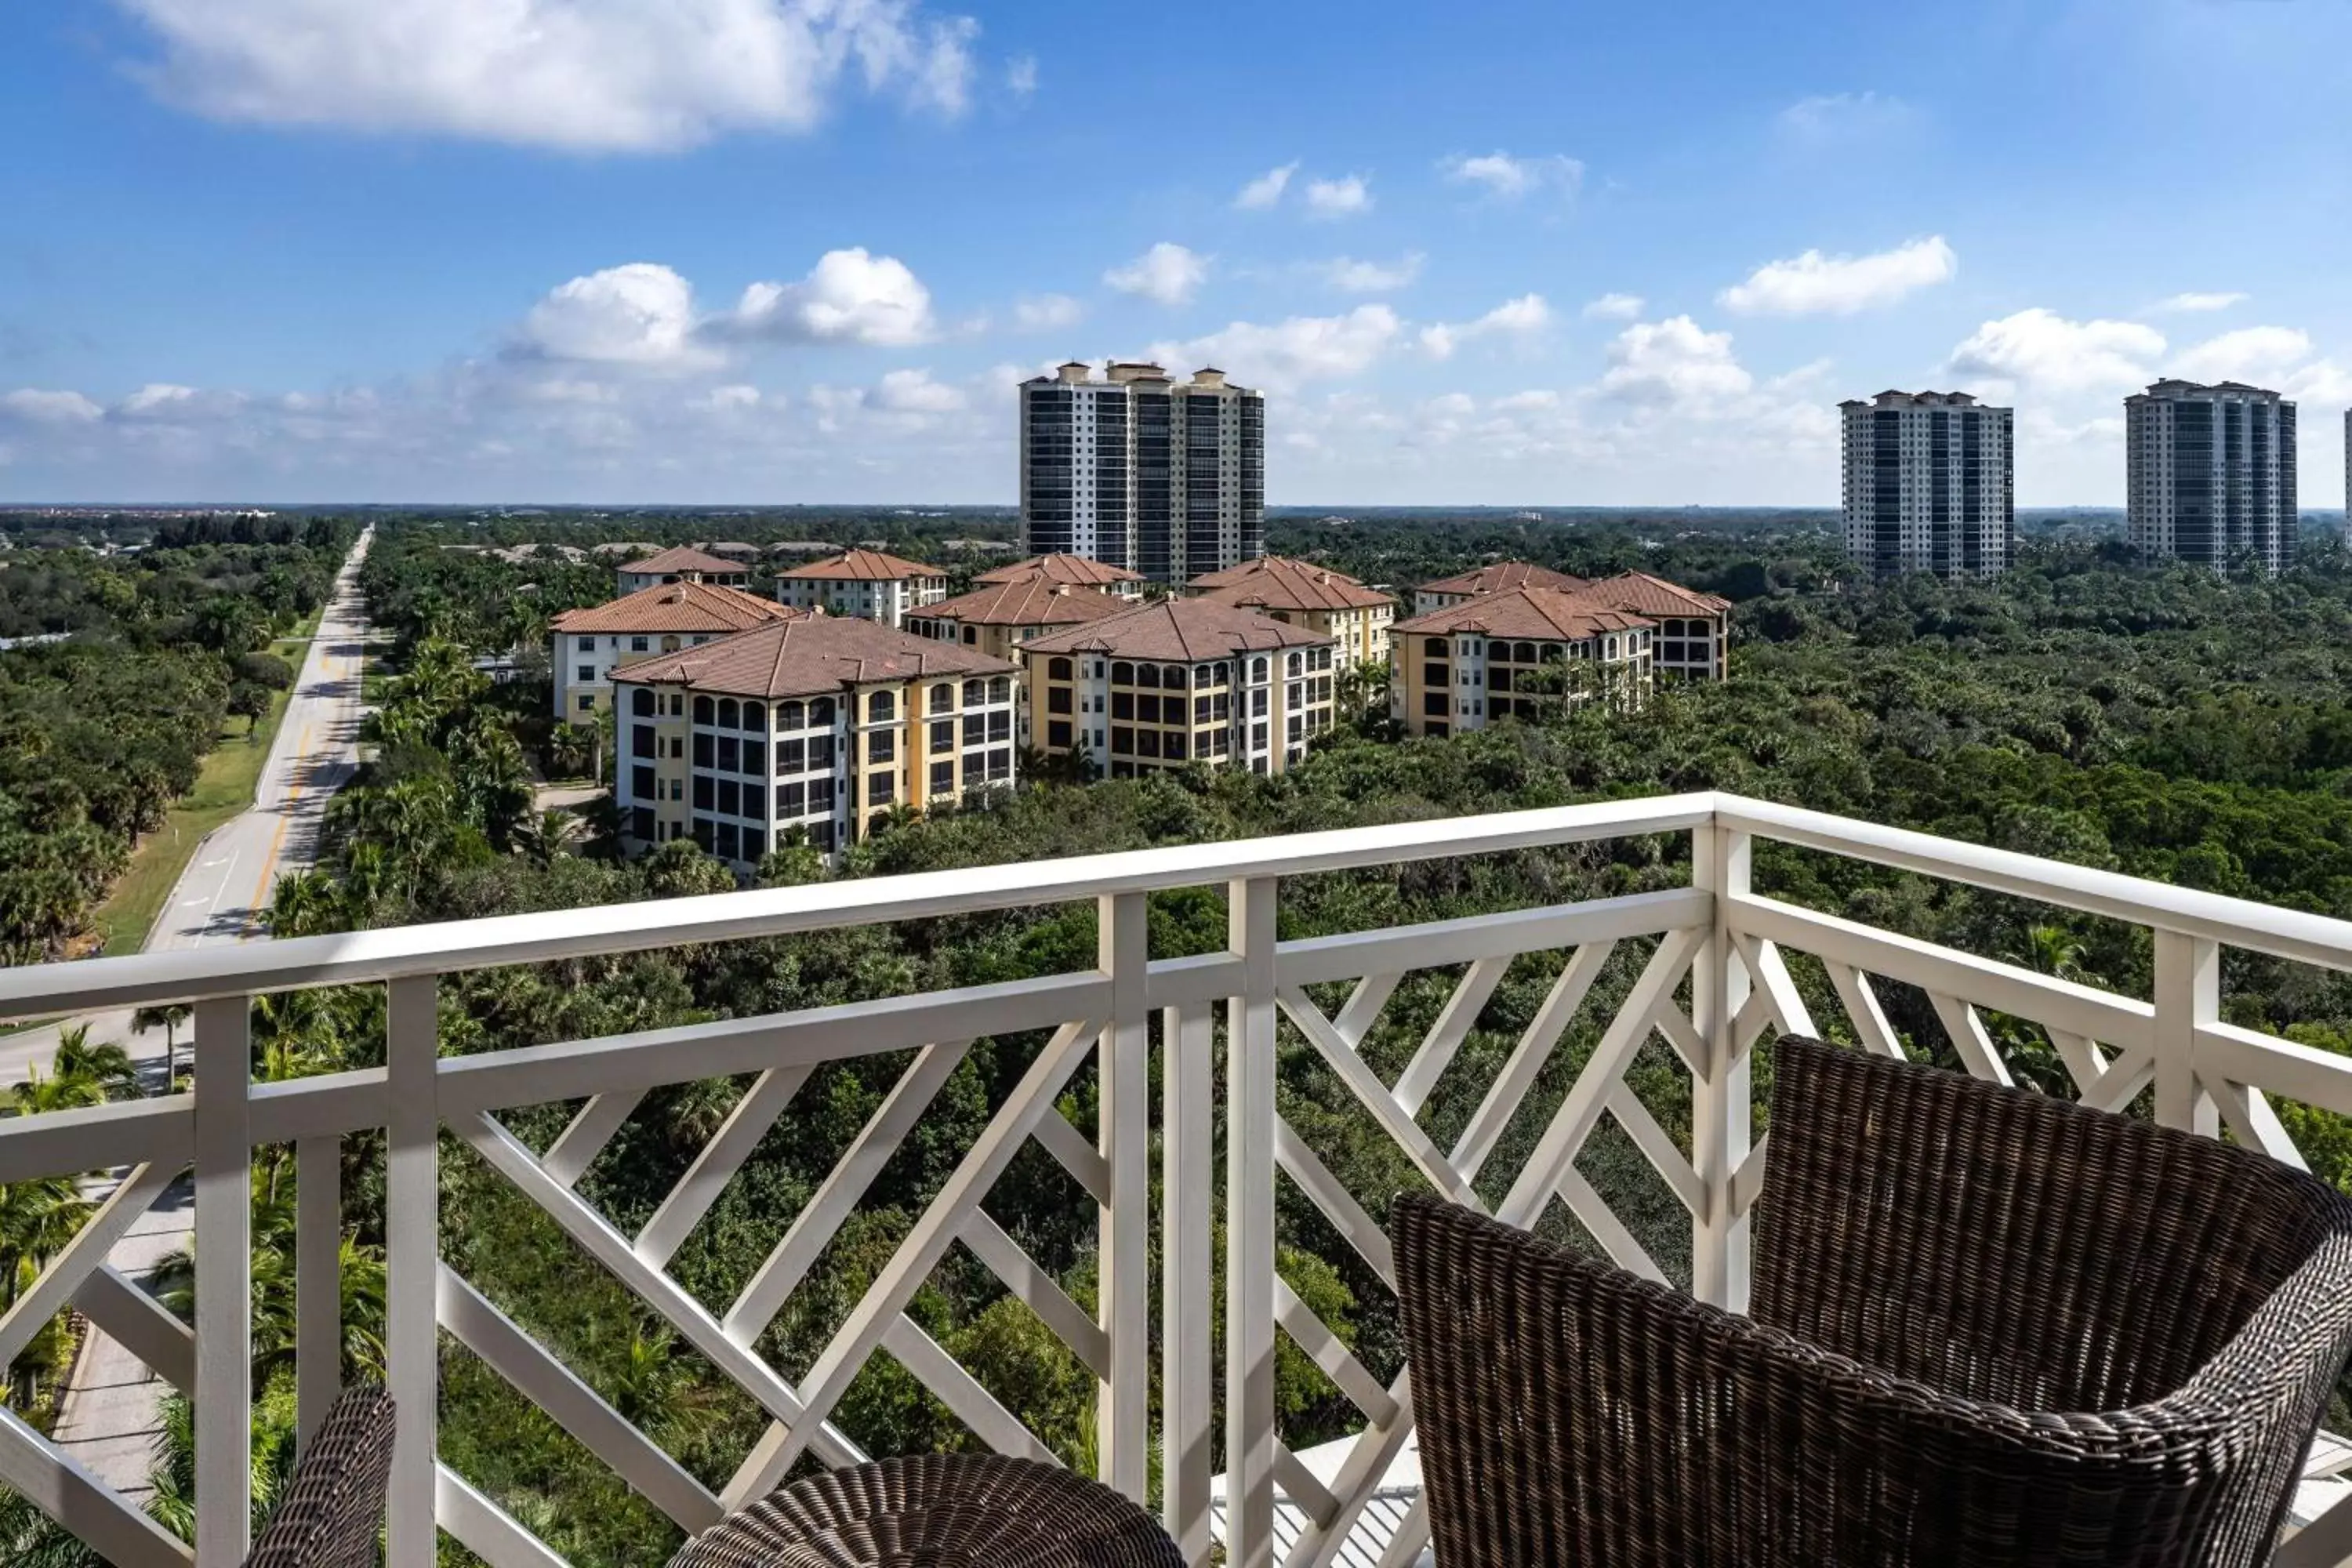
(1930,484)
(1142,472)
(2210,475)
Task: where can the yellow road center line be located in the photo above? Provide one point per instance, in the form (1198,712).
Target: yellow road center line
(278,840)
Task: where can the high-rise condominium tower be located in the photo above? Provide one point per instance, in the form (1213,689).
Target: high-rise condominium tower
(1159,477)
(1930,484)
(2211,474)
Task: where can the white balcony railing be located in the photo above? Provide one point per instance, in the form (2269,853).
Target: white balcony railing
(1714,980)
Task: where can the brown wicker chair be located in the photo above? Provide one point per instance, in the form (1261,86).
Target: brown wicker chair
(938,1510)
(332,1507)
(1989,1327)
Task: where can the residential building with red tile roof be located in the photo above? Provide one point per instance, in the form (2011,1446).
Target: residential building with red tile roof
(1075,571)
(1495,577)
(1694,634)
(870,585)
(998,618)
(680,564)
(584,646)
(1320,598)
(817,725)
(1180,682)
(1513,655)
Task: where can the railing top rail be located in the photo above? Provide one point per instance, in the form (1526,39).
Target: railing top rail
(144,979)
(2235,922)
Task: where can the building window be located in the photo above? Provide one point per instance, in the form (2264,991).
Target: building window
(1122,704)
(641,742)
(791,756)
(705,833)
(1000,689)
(755,844)
(1058,734)
(792,800)
(944,735)
(1122,675)
(975,692)
(975,728)
(820,754)
(702,752)
(878,787)
(1122,740)
(882,746)
(703,712)
(730,842)
(731,798)
(1000,726)
(641,704)
(755,757)
(730,753)
(755,719)
(676,748)
(1057,698)
(819,794)
(641,784)
(791,716)
(943,778)
(821,713)
(1000,765)
(1174,743)
(943,698)
(703,792)
(1057,669)
(728,717)
(587,645)
(881,708)
(636,645)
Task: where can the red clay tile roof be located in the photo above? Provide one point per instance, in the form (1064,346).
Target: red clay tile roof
(808,657)
(1249,569)
(678,607)
(864,566)
(1278,583)
(1501,577)
(1026,601)
(682,558)
(1646,596)
(1077,571)
(1543,615)
(1179,631)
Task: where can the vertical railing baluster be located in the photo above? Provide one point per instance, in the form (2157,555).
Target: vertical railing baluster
(318,1280)
(224,1163)
(2188,995)
(1249,1228)
(1123,1294)
(411,1238)
(1187,1270)
(1722,1108)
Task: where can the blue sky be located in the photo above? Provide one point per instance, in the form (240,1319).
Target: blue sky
(798,250)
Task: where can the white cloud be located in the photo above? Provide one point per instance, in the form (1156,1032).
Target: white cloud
(849,296)
(2195,302)
(1506,178)
(1814,284)
(1614,308)
(1352,277)
(1167,274)
(2054,354)
(1020,75)
(1343,197)
(1284,354)
(1674,361)
(162,402)
(735,396)
(581,75)
(2264,355)
(37,407)
(914,392)
(640,315)
(1521,318)
(1843,116)
(1045,312)
(1266,189)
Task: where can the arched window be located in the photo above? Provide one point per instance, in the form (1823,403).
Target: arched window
(975,692)
(1206,675)
(943,698)
(821,713)
(880,707)
(999,689)
(1122,675)
(755,717)
(730,716)
(1057,669)
(790,716)
(1174,678)
(1146,674)
(1525,653)
(1296,664)
(670,645)
(1258,669)
(642,702)
(702,709)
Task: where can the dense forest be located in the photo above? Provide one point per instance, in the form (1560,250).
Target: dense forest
(2165,724)
(106,721)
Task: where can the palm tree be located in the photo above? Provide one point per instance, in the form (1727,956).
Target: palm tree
(39,1095)
(168,1018)
(552,834)
(2054,951)
(107,1066)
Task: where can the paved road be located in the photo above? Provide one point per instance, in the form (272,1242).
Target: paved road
(112,1412)
(225,887)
